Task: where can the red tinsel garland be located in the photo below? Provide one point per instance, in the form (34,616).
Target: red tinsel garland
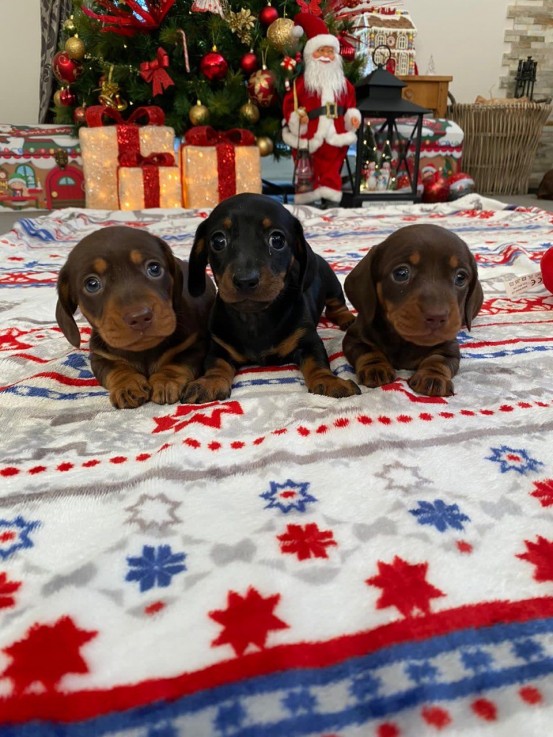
(131,18)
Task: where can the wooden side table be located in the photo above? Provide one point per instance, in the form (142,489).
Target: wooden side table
(427,90)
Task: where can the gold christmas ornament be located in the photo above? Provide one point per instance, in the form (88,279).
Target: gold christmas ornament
(69,25)
(109,95)
(279,33)
(241,24)
(74,48)
(265,145)
(249,113)
(57,98)
(198,114)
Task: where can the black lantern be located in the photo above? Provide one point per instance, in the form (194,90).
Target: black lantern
(526,78)
(388,142)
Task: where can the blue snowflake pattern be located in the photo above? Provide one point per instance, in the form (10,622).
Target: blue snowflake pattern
(423,672)
(528,649)
(514,459)
(166,730)
(155,567)
(440,515)
(288,496)
(477,660)
(80,364)
(14,535)
(297,701)
(364,686)
(229,717)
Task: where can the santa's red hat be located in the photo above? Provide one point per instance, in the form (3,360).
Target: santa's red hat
(316,31)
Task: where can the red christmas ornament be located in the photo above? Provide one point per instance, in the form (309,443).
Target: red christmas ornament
(249,63)
(268,15)
(460,184)
(436,188)
(65,69)
(146,15)
(261,87)
(67,97)
(347,50)
(214,66)
(546,266)
(79,115)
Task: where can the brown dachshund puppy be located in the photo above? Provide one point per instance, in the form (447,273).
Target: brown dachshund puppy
(272,289)
(149,336)
(413,292)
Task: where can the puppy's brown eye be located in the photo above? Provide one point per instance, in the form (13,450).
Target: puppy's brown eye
(92,284)
(401,274)
(218,241)
(154,269)
(277,240)
(461,278)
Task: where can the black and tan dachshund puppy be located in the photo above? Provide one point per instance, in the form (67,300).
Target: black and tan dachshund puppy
(272,289)
(413,292)
(149,336)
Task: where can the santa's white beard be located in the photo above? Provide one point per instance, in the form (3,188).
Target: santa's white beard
(325,78)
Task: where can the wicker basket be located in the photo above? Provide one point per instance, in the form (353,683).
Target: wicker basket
(500,143)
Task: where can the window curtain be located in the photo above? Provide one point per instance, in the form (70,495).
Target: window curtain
(52,15)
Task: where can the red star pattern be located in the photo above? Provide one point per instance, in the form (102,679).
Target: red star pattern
(540,554)
(544,492)
(306,541)
(247,620)
(46,654)
(404,586)
(202,416)
(7,589)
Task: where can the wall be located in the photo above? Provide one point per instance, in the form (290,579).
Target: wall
(19,60)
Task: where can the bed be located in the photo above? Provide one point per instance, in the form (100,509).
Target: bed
(280,564)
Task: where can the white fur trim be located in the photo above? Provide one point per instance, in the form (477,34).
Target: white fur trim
(334,195)
(324,39)
(351,113)
(304,198)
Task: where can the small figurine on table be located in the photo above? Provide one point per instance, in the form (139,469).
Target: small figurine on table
(320,113)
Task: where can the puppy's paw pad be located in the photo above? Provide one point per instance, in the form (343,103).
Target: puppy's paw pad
(203,390)
(430,385)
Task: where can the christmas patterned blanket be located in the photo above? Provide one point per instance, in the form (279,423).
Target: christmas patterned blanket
(280,564)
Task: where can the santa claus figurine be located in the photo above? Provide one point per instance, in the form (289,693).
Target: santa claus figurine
(319,111)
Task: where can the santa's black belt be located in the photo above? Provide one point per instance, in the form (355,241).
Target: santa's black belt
(329,110)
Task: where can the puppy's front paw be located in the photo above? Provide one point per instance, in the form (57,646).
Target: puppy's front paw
(431,384)
(169,384)
(205,390)
(376,375)
(332,386)
(134,392)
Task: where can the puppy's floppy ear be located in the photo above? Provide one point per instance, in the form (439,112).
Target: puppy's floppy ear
(173,264)
(475,295)
(305,255)
(66,307)
(197,262)
(360,285)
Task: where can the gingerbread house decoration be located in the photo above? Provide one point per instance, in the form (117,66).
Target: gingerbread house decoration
(389,27)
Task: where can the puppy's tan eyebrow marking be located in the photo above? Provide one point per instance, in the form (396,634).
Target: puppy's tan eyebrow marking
(136,256)
(100,265)
(266,223)
(453,262)
(415,258)
(227,223)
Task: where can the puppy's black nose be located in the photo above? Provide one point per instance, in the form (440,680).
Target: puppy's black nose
(436,320)
(139,320)
(246,281)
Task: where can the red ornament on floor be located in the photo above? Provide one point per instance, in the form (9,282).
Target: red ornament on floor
(436,188)
(546,267)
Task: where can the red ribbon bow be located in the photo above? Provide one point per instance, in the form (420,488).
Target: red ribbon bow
(150,115)
(154,72)
(135,158)
(205,135)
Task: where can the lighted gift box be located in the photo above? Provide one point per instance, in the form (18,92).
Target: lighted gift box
(216,165)
(102,145)
(151,181)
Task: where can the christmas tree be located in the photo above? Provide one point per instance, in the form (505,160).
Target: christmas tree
(204,62)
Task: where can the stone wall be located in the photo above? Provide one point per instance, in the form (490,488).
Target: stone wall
(530,33)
